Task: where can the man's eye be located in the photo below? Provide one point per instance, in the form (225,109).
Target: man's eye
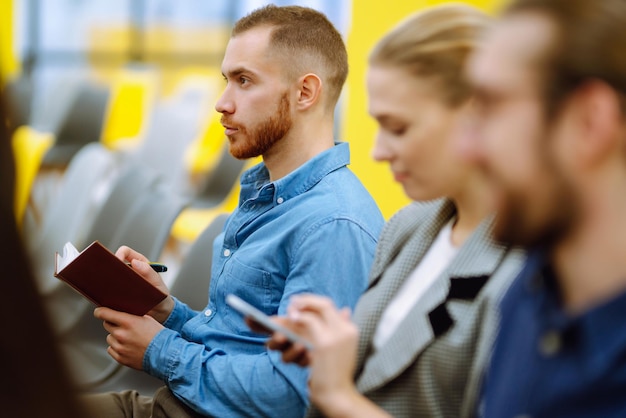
(243,80)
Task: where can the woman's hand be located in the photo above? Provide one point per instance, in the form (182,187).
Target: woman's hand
(335,338)
(332,361)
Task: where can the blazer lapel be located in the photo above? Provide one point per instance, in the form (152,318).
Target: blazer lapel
(479,256)
(474,264)
(396,263)
(407,342)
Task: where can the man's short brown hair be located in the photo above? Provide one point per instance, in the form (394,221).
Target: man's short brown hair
(588,44)
(306,40)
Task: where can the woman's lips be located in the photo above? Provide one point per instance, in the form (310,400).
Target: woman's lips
(400,177)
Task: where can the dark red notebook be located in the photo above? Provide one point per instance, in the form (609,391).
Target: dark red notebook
(105,280)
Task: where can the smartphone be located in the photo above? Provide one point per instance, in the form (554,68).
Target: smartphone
(250,311)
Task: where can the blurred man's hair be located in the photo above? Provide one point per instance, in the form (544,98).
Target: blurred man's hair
(588,44)
(307,42)
(435,43)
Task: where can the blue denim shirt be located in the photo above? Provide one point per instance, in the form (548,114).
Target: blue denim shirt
(548,363)
(314,230)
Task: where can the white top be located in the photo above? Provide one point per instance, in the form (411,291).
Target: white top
(436,259)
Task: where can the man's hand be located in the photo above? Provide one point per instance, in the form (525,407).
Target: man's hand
(139,263)
(129,335)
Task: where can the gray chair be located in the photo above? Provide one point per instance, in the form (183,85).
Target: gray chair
(220,181)
(82,124)
(191,284)
(146,226)
(69,217)
(174,125)
(134,182)
(19,96)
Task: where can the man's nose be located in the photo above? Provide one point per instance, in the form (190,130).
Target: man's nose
(225,104)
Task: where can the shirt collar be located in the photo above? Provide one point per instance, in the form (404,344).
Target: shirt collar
(301,179)
(598,331)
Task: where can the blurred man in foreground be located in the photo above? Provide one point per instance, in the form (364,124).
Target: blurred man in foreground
(551,88)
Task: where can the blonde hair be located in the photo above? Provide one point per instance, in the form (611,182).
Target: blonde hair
(435,43)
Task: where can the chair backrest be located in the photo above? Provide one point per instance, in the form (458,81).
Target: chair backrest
(29,147)
(19,97)
(191,284)
(86,184)
(174,124)
(146,226)
(81,125)
(134,91)
(203,154)
(220,181)
(135,181)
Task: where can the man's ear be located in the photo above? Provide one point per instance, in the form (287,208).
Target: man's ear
(599,110)
(309,91)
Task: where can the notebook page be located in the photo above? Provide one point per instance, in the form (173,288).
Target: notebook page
(68,255)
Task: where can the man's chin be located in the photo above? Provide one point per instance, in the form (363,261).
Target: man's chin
(511,228)
(243,152)
(502,232)
(237,153)
(514,229)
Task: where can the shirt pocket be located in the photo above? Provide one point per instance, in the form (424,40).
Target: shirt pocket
(252,285)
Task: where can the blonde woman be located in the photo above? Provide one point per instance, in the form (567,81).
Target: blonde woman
(419,338)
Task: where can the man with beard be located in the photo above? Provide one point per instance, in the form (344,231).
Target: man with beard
(551,88)
(304,224)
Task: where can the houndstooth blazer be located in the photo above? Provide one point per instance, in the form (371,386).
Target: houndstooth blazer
(433,363)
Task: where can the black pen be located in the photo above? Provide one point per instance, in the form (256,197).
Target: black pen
(159,268)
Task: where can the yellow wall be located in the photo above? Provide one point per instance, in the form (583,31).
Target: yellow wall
(8,63)
(371,19)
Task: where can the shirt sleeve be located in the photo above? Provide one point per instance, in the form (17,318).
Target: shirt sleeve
(332,258)
(179,315)
(216,383)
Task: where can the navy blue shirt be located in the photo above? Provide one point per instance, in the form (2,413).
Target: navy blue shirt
(547,363)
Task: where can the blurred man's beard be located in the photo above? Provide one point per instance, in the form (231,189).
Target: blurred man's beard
(261,138)
(541,217)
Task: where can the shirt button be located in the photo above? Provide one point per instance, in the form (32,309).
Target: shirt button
(208,312)
(550,343)
(226,252)
(280,200)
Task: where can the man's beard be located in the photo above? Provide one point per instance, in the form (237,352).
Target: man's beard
(261,138)
(539,219)
(550,225)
